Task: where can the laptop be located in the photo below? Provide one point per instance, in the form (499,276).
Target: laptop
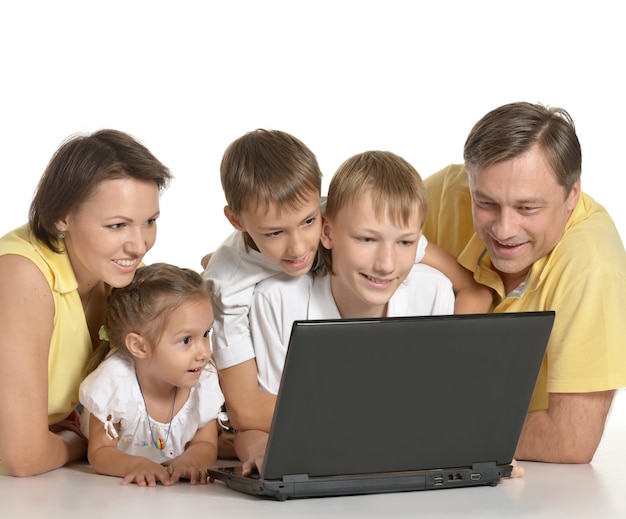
(398,404)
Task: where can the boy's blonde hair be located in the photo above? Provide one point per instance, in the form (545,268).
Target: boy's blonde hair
(395,186)
(266,167)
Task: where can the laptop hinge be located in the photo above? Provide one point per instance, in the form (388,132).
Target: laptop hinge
(295,478)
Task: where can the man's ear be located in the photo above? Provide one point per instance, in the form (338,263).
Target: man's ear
(572,197)
(233,219)
(136,345)
(327,231)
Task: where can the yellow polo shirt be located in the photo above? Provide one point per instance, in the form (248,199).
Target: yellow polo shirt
(583,279)
(70,345)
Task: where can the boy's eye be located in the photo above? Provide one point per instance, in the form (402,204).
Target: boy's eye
(309,221)
(273,234)
(207,334)
(186,340)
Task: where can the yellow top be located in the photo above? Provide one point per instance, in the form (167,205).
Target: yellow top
(70,345)
(583,279)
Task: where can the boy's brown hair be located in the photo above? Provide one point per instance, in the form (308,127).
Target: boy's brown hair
(268,166)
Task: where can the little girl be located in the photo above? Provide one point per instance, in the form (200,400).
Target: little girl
(152,405)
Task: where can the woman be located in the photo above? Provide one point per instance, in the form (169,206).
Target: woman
(92,220)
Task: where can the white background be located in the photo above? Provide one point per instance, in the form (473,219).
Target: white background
(188,77)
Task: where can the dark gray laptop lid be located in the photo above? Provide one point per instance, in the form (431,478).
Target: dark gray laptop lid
(409,393)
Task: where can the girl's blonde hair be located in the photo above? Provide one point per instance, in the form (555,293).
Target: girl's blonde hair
(142,306)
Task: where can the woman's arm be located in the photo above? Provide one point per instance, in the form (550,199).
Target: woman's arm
(26,320)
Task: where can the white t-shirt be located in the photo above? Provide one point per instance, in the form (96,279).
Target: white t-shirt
(112,390)
(281,300)
(232,275)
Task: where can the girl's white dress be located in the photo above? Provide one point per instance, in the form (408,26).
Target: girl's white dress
(111,392)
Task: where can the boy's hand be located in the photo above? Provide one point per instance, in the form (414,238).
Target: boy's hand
(250,446)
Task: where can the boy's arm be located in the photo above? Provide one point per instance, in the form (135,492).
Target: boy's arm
(250,447)
(471,297)
(247,405)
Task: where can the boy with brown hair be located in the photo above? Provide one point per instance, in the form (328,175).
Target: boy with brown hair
(272,183)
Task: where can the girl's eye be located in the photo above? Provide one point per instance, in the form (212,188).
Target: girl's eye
(207,334)
(186,340)
(116,226)
(273,234)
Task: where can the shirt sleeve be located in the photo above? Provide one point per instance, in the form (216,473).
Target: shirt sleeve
(232,275)
(268,322)
(211,397)
(106,391)
(421,249)
(587,350)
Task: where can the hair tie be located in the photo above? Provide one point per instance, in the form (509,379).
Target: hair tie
(102,334)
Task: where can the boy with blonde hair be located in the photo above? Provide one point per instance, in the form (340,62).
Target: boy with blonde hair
(272,183)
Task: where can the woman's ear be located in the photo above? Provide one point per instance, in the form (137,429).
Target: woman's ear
(62,225)
(136,345)
(233,219)
(327,231)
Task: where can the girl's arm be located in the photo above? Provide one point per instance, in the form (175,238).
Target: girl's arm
(26,320)
(471,297)
(200,455)
(106,458)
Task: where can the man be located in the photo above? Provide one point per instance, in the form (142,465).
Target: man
(541,244)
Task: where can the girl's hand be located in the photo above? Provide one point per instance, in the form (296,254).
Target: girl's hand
(193,471)
(147,473)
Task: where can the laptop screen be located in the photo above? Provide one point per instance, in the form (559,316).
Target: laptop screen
(408,393)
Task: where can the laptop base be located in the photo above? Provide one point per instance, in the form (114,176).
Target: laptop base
(301,486)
